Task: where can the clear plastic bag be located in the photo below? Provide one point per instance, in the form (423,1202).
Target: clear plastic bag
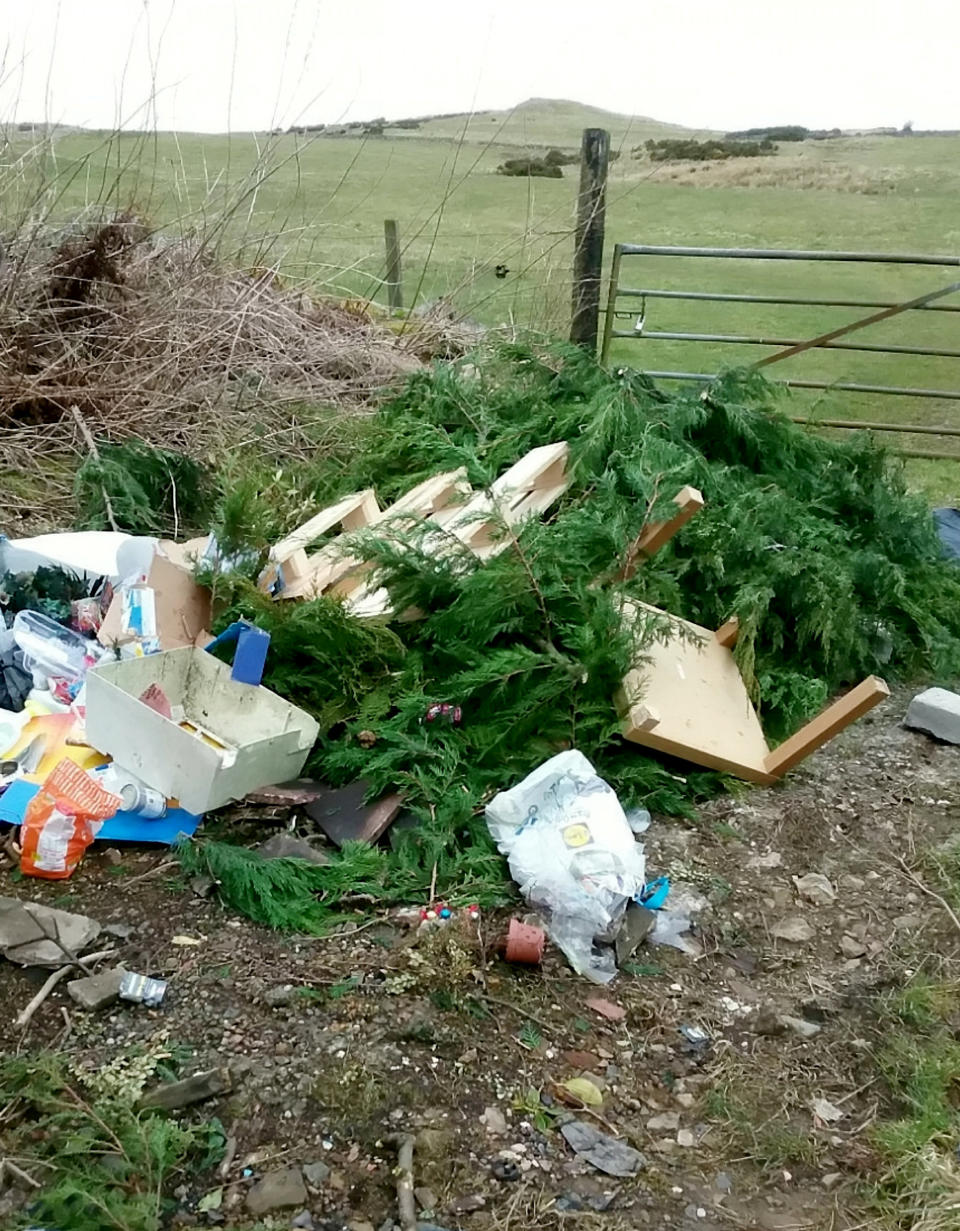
(572,854)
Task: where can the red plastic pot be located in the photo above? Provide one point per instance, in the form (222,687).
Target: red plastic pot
(525,944)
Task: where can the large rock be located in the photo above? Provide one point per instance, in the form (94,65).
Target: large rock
(277,1190)
(97,991)
(35,935)
(936,711)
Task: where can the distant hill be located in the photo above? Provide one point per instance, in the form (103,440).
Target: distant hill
(544,122)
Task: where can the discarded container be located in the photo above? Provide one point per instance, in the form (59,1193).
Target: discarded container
(51,651)
(250,655)
(61,821)
(525,944)
(572,854)
(234,737)
(141,989)
(143,799)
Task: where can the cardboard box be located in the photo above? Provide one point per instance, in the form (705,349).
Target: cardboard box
(177,610)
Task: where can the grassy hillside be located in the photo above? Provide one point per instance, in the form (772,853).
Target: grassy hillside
(544,122)
(316,207)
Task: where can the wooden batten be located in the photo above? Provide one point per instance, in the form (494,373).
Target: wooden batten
(826,725)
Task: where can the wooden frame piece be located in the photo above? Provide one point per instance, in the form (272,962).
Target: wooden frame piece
(526,490)
(688,501)
(686,697)
(289,563)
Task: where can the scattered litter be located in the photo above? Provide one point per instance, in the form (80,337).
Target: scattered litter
(673,925)
(937,712)
(824,1110)
(584,1091)
(525,944)
(603,1152)
(794,928)
(187,941)
(250,654)
(816,889)
(344,816)
(141,989)
(121,827)
(606,1008)
(637,924)
(572,854)
(157,605)
(639,820)
(35,935)
(61,821)
(56,657)
(696,1040)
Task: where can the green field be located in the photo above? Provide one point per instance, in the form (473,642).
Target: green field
(315,205)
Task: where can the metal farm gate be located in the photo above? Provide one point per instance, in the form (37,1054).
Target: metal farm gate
(633,305)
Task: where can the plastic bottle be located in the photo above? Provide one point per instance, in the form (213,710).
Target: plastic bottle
(50,650)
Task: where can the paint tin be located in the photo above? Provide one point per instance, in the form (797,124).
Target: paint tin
(142,799)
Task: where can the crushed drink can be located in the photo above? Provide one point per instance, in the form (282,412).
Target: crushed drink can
(143,799)
(141,989)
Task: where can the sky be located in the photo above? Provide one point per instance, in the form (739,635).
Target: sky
(238,65)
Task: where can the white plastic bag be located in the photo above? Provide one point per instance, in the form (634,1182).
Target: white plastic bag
(572,854)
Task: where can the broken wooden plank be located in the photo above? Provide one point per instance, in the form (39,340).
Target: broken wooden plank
(289,563)
(526,490)
(657,534)
(686,697)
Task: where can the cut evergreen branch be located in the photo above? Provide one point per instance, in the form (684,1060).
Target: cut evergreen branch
(98,1162)
(833,568)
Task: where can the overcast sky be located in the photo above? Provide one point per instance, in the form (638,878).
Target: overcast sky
(254,64)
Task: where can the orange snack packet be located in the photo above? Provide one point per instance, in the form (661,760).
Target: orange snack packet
(61,821)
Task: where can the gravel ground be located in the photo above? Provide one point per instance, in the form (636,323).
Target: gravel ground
(713,1072)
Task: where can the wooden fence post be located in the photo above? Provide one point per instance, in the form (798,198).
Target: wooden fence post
(588,250)
(394,285)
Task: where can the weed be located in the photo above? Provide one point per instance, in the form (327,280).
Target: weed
(645,970)
(530,1037)
(919,1178)
(101,1163)
(529,1103)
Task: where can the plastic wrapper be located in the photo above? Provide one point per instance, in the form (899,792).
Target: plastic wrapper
(573,856)
(61,821)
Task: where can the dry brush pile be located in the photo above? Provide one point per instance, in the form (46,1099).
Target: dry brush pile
(136,333)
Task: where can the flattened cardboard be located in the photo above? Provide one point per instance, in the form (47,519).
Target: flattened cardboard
(182,607)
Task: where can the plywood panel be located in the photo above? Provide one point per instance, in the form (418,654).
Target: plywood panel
(687,698)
